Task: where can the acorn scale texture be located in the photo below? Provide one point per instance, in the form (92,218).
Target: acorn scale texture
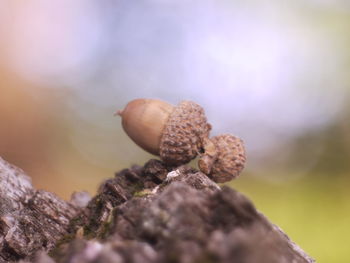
(184,133)
(231,158)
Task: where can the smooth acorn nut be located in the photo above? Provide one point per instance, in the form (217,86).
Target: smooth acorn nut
(144,120)
(228,159)
(175,133)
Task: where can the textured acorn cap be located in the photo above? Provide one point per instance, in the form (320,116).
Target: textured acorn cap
(230,158)
(184,133)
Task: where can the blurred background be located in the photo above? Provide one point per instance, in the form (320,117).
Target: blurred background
(275,73)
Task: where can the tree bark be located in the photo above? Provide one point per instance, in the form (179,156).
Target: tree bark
(149,213)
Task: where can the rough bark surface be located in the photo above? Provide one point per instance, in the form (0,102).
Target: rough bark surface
(145,214)
(30,220)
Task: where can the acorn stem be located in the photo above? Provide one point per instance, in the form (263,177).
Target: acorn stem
(119,113)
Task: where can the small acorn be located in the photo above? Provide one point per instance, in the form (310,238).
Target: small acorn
(179,133)
(175,133)
(225,161)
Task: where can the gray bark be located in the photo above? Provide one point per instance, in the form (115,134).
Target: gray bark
(145,214)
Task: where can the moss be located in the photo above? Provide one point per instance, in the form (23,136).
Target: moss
(75,223)
(57,250)
(96,209)
(106,227)
(142,193)
(137,187)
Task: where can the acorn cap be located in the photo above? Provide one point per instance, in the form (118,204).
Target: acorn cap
(230,158)
(184,133)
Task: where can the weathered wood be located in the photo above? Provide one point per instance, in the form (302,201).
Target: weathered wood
(144,214)
(30,220)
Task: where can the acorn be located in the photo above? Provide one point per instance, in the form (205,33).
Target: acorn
(226,160)
(175,133)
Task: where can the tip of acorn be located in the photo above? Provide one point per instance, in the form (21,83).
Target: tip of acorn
(118,112)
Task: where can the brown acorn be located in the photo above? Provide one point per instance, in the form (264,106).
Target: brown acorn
(225,161)
(175,133)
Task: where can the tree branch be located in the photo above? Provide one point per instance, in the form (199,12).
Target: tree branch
(146,214)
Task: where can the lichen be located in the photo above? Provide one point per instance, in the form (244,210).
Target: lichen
(143,193)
